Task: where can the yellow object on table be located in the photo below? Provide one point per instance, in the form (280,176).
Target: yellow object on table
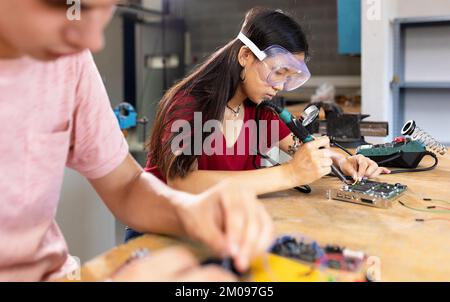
(273,268)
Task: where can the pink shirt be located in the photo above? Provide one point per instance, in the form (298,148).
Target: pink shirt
(53,115)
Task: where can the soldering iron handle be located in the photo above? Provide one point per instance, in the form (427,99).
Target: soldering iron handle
(298,130)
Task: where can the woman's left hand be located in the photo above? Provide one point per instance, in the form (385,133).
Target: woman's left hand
(359,166)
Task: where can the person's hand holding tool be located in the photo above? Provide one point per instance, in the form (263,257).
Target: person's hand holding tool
(311,162)
(229,219)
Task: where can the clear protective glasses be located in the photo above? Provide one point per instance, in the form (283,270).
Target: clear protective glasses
(279,67)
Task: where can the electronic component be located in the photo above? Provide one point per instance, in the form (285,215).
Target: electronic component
(405,152)
(331,256)
(273,268)
(369,193)
(424,138)
(343,259)
(288,246)
(401,153)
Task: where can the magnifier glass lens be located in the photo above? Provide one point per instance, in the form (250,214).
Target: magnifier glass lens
(309,115)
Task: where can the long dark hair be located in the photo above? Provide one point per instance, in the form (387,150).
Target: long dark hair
(213,83)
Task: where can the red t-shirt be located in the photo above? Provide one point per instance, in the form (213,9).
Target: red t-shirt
(240,156)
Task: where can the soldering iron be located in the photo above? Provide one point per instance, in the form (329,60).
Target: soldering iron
(298,129)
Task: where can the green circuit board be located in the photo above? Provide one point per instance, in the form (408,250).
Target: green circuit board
(376,189)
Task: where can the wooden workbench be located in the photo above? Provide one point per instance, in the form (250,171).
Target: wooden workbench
(408,250)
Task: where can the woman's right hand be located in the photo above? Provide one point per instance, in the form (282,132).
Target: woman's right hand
(310,162)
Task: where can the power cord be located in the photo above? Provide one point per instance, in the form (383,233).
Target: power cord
(436,161)
(333,143)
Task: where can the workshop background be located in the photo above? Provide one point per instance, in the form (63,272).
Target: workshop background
(389,59)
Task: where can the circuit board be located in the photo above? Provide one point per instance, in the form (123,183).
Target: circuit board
(297,259)
(369,193)
(337,262)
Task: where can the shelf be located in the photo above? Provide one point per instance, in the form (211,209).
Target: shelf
(424,21)
(406,37)
(425,85)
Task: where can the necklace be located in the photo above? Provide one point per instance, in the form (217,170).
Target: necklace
(235,112)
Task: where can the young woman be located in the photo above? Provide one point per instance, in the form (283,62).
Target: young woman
(268,56)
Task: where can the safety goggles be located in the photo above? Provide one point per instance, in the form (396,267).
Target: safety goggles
(279,67)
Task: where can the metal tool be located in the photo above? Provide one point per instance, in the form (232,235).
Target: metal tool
(298,129)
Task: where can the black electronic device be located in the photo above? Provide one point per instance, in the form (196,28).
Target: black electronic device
(405,152)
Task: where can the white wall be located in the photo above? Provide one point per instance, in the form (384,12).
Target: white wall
(377,52)
(376,69)
(421,8)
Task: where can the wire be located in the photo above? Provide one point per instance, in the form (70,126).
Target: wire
(441,200)
(421,197)
(429,210)
(424,210)
(302,189)
(334,143)
(433,219)
(396,156)
(438,207)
